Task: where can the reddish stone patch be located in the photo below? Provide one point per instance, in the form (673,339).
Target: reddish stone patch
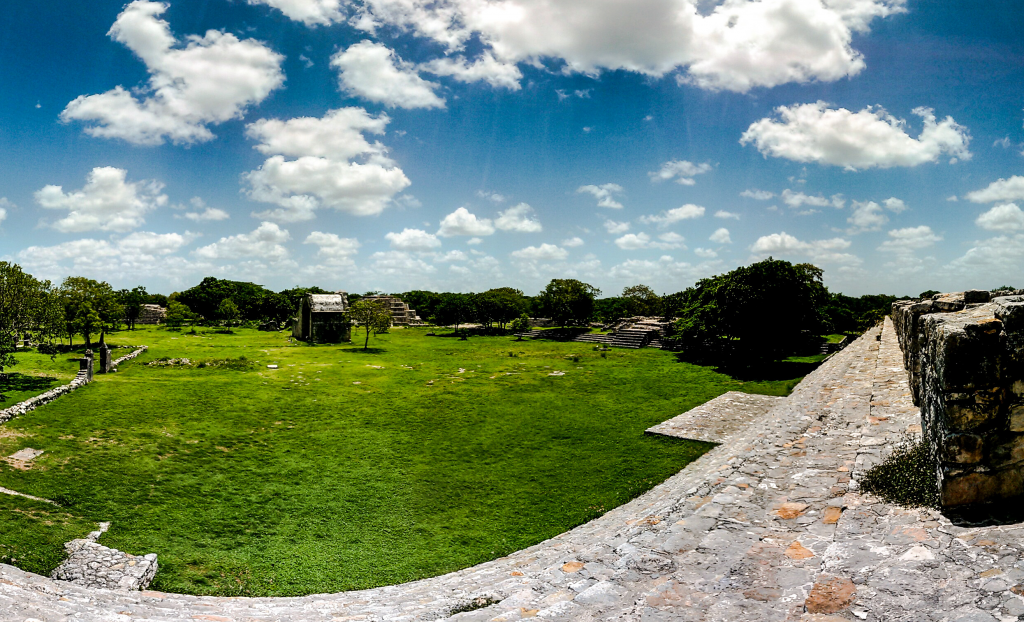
(831,596)
(798,551)
(763,594)
(791,510)
(832,515)
(570,567)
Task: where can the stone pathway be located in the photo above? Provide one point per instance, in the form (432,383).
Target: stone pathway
(766,527)
(715,421)
(95,566)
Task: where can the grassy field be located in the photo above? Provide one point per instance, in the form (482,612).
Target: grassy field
(342,469)
(34,374)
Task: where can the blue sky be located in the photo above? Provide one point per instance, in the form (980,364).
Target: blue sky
(469,144)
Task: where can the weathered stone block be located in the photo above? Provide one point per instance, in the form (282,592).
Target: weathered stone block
(964,448)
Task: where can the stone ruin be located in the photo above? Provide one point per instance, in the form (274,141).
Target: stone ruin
(91,564)
(323,318)
(401,314)
(151,314)
(964,356)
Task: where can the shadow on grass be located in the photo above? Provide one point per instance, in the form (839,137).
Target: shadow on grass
(23,383)
(757,371)
(360,350)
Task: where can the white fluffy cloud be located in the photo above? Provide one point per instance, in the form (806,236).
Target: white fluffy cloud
(323,172)
(705,253)
(4,204)
(402,265)
(374,72)
(573,242)
(866,216)
(724,215)
(1011,189)
(518,218)
(1005,217)
(855,140)
(266,242)
(796,200)
(464,222)
(758,195)
(735,45)
(544,252)
(202,212)
(135,256)
(825,251)
(413,240)
(674,215)
(637,241)
(604,194)
(486,69)
(895,205)
(208,80)
(995,260)
(615,228)
(106,203)
(332,249)
(309,12)
(682,171)
(906,241)
(721,236)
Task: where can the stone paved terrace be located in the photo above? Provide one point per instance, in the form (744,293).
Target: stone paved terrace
(716,420)
(767,526)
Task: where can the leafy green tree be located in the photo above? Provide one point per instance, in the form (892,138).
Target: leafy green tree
(641,300)
(500,306)
(928,293)
(424,302)
(26,305)
(520,325)
(89,307)
(228,310)
(178,313)
(373,315)
(131,301)
(157,299)
(756,313)
(454,309)
(568,302)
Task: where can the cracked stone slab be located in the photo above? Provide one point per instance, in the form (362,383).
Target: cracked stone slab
(26,455)
(716,420)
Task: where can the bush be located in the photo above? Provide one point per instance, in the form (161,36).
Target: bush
(906,477)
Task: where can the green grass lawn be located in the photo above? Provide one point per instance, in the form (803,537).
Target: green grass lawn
(34,374)
(331,474)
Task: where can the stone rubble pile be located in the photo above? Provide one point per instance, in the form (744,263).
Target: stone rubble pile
(127,357)
(93,565)
(964,353)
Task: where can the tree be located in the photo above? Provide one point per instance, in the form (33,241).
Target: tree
(520,325)
(501,306)
(372,315)
(131,302)
(642,300)
(89,307)
(424,302)
(26,304)
(178,313)
(755,313)
(228,310)
(454,309)
(569,302)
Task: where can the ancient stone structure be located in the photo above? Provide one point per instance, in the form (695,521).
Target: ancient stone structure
(322,318)
(151,314)
(104,361)
(401,314)
(964,354)
(90,564)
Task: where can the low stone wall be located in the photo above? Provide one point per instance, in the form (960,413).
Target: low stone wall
(79,380)
(964,355)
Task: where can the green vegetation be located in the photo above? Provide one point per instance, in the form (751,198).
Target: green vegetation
(37,373)
(906,477)
(343,469)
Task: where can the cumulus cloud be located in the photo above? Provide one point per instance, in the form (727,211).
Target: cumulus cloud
(518,218)
(604,194)
(615,228)
(266,242)
(1011,189)
(724,215)
(721,236)
(871,138)
(906,241)
(637,241)
(135,256)
(995,260)
(544,252)
(309,12)
(400,264)
(107,202)
(4,204)
(413,240)
(674,215)
(147,243)
(758,195)
(796,200)
(374,72)
(681,171)
(485,69)
(202,212)
(572,242)
(825,251)
(323,172)
(866,216)
(491,196)
(665,269)
(894,205)
(333,250)
(464,222)
(735,45)
(1005,217)
(705,253)
(208,80)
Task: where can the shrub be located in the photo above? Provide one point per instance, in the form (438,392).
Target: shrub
(906,477)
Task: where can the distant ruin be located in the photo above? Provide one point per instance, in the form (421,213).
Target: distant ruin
(323,318)
(151,314)
(401,314)
(964,355)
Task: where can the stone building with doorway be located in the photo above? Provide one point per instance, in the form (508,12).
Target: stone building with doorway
(323,318)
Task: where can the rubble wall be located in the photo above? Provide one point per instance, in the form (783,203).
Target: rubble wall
(963,354)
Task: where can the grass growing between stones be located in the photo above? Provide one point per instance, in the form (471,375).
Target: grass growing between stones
(346,469)
(906,477)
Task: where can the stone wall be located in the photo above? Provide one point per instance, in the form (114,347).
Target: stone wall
(964,355)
